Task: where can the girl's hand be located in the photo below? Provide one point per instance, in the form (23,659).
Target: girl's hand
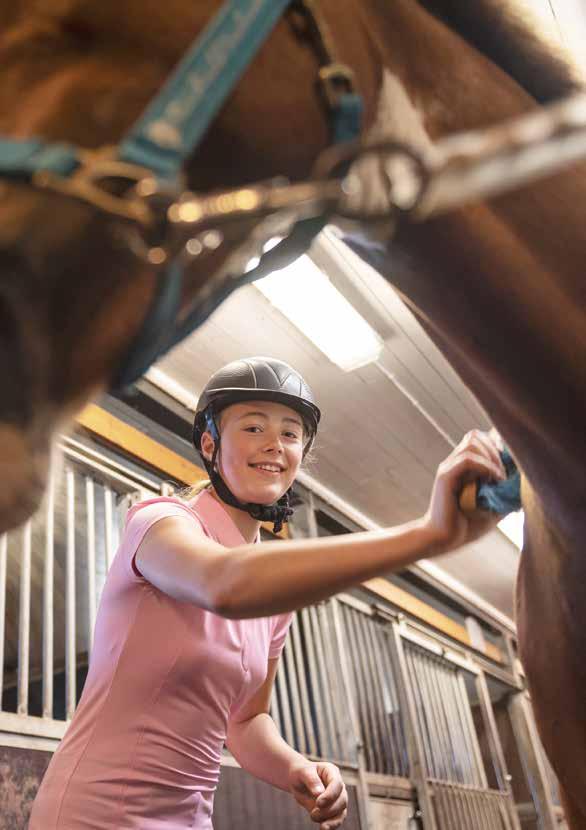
(319,788)
(475,457)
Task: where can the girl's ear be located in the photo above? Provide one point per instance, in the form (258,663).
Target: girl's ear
(207,446)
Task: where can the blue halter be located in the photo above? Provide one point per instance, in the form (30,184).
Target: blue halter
(175,121)
(164,137)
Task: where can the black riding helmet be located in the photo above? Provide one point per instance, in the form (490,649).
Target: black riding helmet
(254,378)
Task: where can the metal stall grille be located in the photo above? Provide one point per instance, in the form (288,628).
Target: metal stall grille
(374,693)
(326,713)
(310,706)
(452,757)
(467,808)
(52,571)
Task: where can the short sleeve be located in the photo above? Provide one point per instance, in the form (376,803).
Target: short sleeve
(281,625)
(143,517)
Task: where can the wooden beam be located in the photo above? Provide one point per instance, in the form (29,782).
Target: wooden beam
(135,443)
(430,616)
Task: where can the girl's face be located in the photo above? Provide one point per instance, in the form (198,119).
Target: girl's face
(260,451)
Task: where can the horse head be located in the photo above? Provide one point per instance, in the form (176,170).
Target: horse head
(73,291)
(76,286)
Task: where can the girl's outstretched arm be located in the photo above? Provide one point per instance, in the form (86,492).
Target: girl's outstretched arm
(275,577)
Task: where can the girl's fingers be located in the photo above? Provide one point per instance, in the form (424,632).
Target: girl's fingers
(332,811)
(495,436)
(306,801)
(483,443)
(475,465)
(333,825)
(332,780)
(493,449)
(331,792)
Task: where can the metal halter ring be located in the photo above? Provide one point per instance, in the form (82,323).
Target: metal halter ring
(337,160)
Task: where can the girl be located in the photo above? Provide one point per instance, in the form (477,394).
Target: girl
(194,614)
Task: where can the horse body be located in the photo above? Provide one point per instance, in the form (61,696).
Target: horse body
(551,623)
(498,286)
(500,289)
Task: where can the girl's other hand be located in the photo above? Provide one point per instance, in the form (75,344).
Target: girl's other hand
(320,789)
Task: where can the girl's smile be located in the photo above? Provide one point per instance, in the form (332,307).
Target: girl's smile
(267,469)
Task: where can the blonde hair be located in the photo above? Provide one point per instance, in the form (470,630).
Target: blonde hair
(189,493)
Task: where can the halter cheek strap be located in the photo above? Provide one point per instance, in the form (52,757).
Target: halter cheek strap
(278,513)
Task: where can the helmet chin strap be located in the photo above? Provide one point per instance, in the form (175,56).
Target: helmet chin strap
(278,513)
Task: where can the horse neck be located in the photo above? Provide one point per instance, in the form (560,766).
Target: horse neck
(498,285)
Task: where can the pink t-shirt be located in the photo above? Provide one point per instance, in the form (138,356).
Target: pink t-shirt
(143,749)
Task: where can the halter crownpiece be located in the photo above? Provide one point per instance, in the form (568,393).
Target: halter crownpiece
(255,378)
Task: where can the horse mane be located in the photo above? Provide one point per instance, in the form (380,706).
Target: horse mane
(500,31)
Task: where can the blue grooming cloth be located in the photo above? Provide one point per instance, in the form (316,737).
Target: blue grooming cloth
(502,497)
(347,118)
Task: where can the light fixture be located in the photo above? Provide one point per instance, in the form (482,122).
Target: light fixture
(571,19)
(562,22)
(304,294)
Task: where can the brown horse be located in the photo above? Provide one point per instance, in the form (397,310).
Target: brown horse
(499,285)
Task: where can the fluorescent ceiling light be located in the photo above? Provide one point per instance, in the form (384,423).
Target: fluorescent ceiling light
(304,294)
(564,22)
(571,19)
(512,527)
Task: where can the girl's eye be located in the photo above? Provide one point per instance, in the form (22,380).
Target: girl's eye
(293,436)
(252,429)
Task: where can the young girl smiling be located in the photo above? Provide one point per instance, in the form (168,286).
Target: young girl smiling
(194,615)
